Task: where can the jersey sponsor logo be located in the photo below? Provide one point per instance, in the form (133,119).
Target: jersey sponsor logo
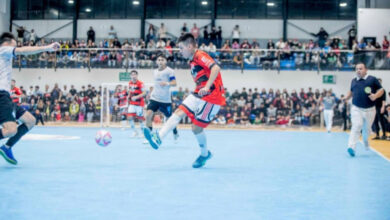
(206,61)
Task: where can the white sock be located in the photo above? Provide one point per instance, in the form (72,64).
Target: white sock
(132,126)
(141,125)
(202,141)
(169,125)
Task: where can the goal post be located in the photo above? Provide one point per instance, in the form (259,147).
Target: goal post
(108,111)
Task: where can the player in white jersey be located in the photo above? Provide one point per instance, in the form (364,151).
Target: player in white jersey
(9,112)
(160,99)
(328,105)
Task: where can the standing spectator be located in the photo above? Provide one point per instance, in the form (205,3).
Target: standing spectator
(72,90)
(236,34)
(33,36)
(91,35)
(162,32)
(21,31)
(206,35)
(270,45)
(322,36)
(213,35)
(74,110)
(111,35)
(184,29)
(116,43)
(195,31)
(385,43)
(151,36)
(90,110)
(219,37)
(380,104)
(328,103)
(351,36)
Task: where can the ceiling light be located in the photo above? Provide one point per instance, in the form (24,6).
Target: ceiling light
(343,4)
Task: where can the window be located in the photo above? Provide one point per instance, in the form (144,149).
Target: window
(324,9)
(245,9)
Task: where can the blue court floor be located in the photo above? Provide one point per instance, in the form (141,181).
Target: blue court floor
(253,175)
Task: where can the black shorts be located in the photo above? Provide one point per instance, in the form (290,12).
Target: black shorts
(9,111)
(165,108)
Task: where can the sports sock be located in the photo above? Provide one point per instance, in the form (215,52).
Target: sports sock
(202,141)
(169,125)
(132,126)
(22,130)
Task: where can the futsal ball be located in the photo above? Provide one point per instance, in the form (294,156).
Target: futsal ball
(103,138)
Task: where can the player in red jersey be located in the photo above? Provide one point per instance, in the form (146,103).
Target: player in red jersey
(16,93)
(202,105)
(121,95)
(136,102)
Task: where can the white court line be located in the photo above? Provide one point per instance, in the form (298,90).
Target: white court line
(48,137)
(377,152)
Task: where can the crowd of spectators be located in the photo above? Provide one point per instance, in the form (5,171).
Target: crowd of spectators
(245,107)
(324,53)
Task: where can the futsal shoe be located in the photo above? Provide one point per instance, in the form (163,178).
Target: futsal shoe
(201,160)
(7,154)
(152,137)
(351,152)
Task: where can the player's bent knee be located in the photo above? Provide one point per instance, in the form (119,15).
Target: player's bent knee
(29,120)
(196,129)
(10,129)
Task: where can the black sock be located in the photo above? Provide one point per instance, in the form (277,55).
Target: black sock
(1,134)
(175,131)
(22,130)
(151,128)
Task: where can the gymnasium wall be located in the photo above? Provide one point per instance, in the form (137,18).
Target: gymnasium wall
(253,28)
(5,13)
(125,28)
(233,79)
(130,28)
(174,26)
(373,23)
(43,27)
(313,26)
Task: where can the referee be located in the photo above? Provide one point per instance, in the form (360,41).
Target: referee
(364,91)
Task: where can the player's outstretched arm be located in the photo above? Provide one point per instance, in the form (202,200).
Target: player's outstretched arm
(34,50)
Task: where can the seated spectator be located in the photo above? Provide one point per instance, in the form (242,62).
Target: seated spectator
(271,114)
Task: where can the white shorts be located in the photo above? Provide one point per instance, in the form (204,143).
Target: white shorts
(199,111)
(136,111)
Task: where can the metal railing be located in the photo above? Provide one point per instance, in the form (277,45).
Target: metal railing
(240,59)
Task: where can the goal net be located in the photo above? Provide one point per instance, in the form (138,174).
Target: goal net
(110,112)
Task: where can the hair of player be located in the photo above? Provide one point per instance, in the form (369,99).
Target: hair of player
(361,63)
(187,39)
(6,37)
(161,54)
(134,71)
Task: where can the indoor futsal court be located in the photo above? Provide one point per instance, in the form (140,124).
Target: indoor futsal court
(293,175)
(194,110)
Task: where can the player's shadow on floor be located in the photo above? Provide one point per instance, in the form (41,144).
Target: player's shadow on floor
(9,167)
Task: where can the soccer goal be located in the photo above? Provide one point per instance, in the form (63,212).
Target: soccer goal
(110,111)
